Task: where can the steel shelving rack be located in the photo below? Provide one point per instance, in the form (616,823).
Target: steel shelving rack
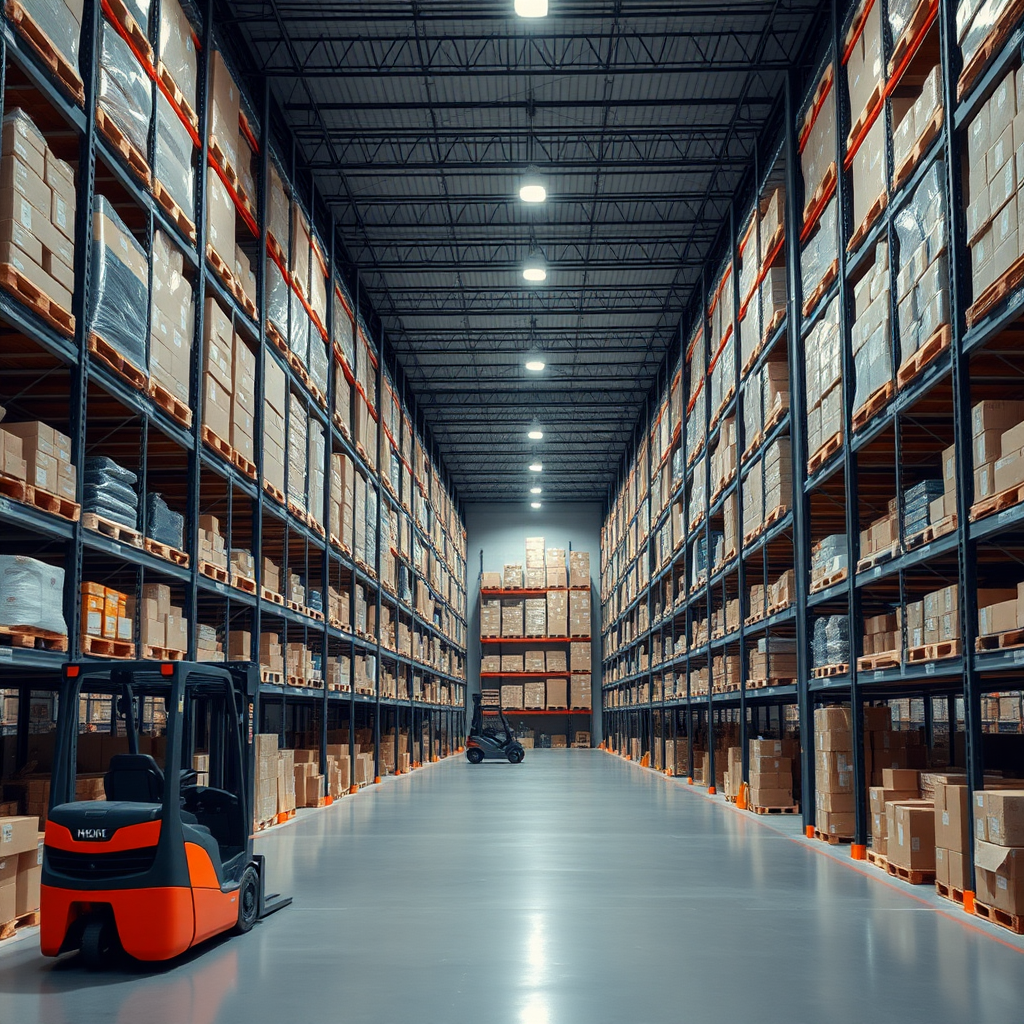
(55,379)
(938,400)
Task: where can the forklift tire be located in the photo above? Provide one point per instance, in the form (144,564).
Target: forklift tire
(474,755)
(248,900)
(515,757)
(99,940)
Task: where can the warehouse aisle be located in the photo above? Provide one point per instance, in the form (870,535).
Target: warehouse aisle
(574,888)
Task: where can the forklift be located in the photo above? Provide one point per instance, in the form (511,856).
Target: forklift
(163,863)
(487,742)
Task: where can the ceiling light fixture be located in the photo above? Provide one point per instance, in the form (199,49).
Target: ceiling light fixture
(531,8)
(536,467)
(536,433)
(534,362)
(534,504)
(535,269)
(533,188)
(536,490)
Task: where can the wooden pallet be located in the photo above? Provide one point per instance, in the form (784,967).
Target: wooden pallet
(221,267)
(243,583)
(825,452)
(914,157)
(176,95)
(832,840)
(177,215)
(17,284)
(878,860)
(115,531)
(213,572)
(877,401)
(136,162)
(104,648)
(910,875)
(120,15)
(914,26)
(825,671)
(996,40)
(997,292)
(931,532)
(774,609)
(821,288)
(817,201)
(342,426)
(874,662)
(949,892)
(216,442)
(829,580)
(178,410)
(772,326)
(764,684)
(152,653)
(997,502)
(243,465)
(272,596)
(117,363)
(1012,922)
(32,638)
(165,551)
(868,222)
(933,652)
(793,809)
(247,303)
(60,67)
(915,364)
(9,928)
(865,115)
(878,557)
(55,504)
(274,493)
(1000,641)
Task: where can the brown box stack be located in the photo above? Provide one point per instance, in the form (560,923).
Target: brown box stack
(512,617)
(770,772)
(999,849)
(833,771)
(41,456)
(558,614)
(265,783)
(579,613)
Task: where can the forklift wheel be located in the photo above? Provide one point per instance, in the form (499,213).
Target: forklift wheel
(474,755)
(99,939)
(248,900)
(515,756)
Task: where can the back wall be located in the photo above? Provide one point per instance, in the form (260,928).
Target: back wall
(499,531)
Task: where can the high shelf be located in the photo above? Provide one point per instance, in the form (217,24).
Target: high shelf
(248,383)
(535,644)
(817,507)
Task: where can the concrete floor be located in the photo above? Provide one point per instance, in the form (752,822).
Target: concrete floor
(573,888)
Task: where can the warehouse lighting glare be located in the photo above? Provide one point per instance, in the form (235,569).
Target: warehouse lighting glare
(536,490)
(536,467)
(533,189)
(532,8)
(534,504)
(535,363)
(536,433)
(534,268)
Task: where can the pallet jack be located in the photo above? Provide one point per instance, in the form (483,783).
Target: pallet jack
(163,863)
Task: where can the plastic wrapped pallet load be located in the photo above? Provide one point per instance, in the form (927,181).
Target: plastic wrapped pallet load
(109,491)
(31,594)
(173,159)
(125,91)
(178,49)
(172,318)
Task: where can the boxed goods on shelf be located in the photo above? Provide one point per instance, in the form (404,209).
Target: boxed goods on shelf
(818,257)
(772,300)
(275,397)
(120,285)
(558,614)
(265,779)
(871,336)
(833,771)
(829,560)
(917,125)
(975,22)
(124,97)
(831,643)
(579,569)
(172,317)
(172,165)
(868,175)
(817,160)
(243,392)
(864,72)
(770,774)
(823,381)
(772,213)
(161,623)
(298,456)
(752,485)
(212,548)
(109,492)
(724,458)
(223,108)
(512,577)
(579,695)
(178,50)
(61,22)
(991,422)
(208,647)
(218,361)
(748,255)
(883,634)
(535,616)
(722,373)
(37,207)
(882,533)
(41,456)
(910,839)
(773,657)
(555,661)
(535,553)
(557,693)
(778,476)
(917,505)
(512,695)
(1000,612)
(512,617)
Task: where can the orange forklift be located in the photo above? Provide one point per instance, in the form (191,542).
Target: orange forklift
(163,863)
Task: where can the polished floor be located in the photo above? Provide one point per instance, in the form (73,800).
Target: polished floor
(573,888)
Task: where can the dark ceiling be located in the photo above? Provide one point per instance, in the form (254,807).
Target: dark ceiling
(419,120)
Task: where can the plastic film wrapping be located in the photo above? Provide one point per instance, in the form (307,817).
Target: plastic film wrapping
(974,23)
(178,48)
(278,208)
(301,325)
(31,594)
(343,331)
(125,93)
(61,25)
(830,555)
(109,491)
(172,318)
(318,365)
(119,299)
(751,399)
(772,298)
(871,335)
(821,251)
(173,163)
(298,441)
(165,526)
(695,425)
(277,298)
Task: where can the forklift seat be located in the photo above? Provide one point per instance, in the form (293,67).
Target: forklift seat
(135,778)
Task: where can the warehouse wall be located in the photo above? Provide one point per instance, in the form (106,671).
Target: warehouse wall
(500,531)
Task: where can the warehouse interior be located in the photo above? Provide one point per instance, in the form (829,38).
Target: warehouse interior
(539,485)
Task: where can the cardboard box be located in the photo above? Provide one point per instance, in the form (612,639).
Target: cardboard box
(911,836)
(951,816)
(18,834)
(901,779)
(30,869)
(999,816)
(999,872)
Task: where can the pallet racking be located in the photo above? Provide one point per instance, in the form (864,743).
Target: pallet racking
(679,492)
(409,680)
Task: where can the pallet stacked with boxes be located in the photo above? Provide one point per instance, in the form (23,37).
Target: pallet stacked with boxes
(204,415)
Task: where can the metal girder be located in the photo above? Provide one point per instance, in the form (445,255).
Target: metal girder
(524,105)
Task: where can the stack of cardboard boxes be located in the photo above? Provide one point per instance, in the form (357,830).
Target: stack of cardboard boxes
(39,455)
(161,623)
(105,613)
(881,533)
(999,849)
(871,335)
(823,374)
(883,633)
(242,393)
(913,119)
(1001,612)
(993,211)
(298,458)
(208,647)
(171,319)
(275,399)
(998,440)
(771,772)
(218,376)
(37,210)
(773,657)
(898,784)
(833,771)
(309,783)
(21,859)
(267,759)
(212,546)
(723,458)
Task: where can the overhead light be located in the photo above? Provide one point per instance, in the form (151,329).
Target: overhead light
(532,8)
(533,188)
(536,490)
(534,504)
(535,269)
(535,363)
(535,432)
(536,467)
